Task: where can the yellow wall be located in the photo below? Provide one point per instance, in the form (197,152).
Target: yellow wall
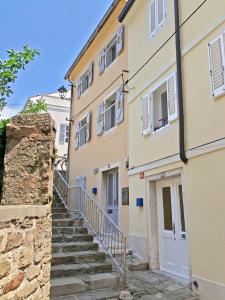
(112,146)
(203,177)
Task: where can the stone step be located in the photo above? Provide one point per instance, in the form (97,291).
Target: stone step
(66,222)
(77,257)
(58,205)
(59,210)
(61,215)
(69,230)
(67,238)
(72,270)
(73,247)
(72,285)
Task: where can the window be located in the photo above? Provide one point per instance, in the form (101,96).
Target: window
(110,112)
(109,53)
(85,81)
(63,134)
(217,65)
(159,107)
(82,131)
(157,15)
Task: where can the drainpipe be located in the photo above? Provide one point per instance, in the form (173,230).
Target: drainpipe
(179,84)
(68,150)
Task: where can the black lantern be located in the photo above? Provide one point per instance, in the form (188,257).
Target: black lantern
(62,92)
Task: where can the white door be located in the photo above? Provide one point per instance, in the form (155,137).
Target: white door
(173,246)
(112,195)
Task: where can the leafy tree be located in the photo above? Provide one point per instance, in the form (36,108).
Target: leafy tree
(35,107)
(9,68)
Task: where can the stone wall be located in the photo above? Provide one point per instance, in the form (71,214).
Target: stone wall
(25,210)
(25,252)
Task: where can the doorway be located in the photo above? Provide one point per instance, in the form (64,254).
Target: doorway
(112,194)
(173,244)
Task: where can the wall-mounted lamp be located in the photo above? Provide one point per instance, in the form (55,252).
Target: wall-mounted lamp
(62,92)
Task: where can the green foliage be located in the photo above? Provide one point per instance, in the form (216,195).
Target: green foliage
(9,68)
(35,107)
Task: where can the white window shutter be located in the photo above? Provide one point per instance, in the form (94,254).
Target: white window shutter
(90,73)
(217,65)
(119,105)
(62,129)
(100,119)
(153,17)
(79,88)
(88,128)
(77,131)
(161,12)
(172,97)
(101,62)
(81,181)
(120,40)
(146,114)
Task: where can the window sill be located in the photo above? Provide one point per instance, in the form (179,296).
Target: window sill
(160,129)
(110,130)
(83,146)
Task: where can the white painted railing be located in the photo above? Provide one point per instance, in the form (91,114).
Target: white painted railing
(84,206)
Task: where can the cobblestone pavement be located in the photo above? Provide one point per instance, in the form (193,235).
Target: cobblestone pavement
(143,285)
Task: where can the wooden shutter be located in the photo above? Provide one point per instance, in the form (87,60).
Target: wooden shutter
(101,62)
(119,105)
(88,127)
(119,40)
(62,129)
(79,88)
(217,65)
(172,97)
(153,17)
(100,119)
(160,12)
(146,114)
(77,131)
(90,73)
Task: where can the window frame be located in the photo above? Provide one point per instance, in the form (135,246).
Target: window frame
(67,126)
(106,109)
(158,25)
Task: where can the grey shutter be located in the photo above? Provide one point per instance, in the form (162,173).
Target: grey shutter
(90,73)
(145,114)
(161,12)
(119,105)
(81,181)
(88,128)
(100,119)
(153,17)
(77,131)
(172,97)
(62,129)
(101,63)
(217,65)
(119,40)
(79,88)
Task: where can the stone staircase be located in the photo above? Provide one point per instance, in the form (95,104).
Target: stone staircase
(77,264)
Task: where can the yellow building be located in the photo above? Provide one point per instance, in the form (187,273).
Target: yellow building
(176,108)
(98,148)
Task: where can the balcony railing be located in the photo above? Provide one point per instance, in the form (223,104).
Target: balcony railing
(78,201)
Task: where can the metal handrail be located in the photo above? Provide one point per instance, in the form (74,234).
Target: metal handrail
(109,235)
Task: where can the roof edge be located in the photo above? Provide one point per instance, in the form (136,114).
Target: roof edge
(93,36)
(125,10)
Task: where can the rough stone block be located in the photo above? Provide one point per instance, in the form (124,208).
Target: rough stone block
(14,240)
(14,283)
(32,272)
(4,268)
(27,290)
(100,281)
(26,257)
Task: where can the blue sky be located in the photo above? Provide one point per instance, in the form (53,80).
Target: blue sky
(57,28)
